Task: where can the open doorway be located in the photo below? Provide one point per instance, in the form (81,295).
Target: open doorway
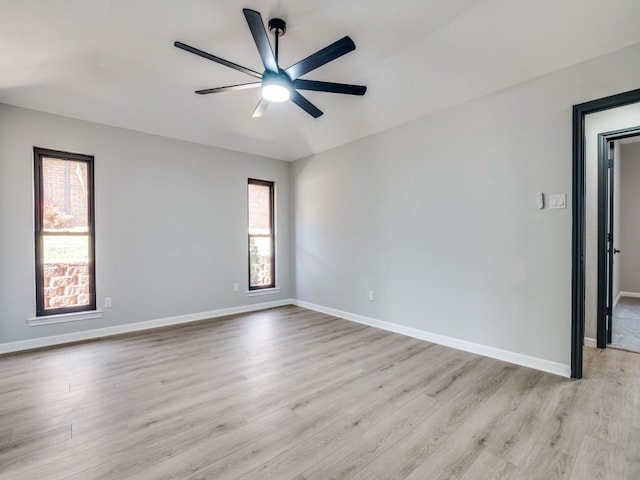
(583,296)
(618,303)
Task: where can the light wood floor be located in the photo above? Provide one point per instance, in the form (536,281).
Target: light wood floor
(293,394)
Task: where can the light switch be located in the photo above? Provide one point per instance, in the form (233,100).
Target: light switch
(558,200)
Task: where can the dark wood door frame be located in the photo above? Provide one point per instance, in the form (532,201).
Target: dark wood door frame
(580,111)
(605,246)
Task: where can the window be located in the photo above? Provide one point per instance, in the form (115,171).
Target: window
(262,272)
(64,232)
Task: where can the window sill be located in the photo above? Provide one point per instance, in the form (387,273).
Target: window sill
(64,317)
(265,291)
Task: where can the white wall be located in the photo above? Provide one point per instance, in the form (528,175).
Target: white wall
(596,123)
(629,258)
(171,233)
(438,216)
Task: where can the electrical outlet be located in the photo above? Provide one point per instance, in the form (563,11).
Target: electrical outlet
(107,302)
(236,287)
(372,296)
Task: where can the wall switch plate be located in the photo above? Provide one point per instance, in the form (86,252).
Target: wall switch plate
(540,200)
(372,296)
(558,200)
(107,302)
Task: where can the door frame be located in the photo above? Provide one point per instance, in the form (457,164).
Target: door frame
(578,236)
(602,333)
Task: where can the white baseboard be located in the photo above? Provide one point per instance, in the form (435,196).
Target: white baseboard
(499,354)
(590,342)
(627,294)
(484,350)
(50,341)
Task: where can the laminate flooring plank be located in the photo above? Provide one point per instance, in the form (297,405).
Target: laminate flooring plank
(431,471)
(490,467)
(337,441)
(18,450)
(380,425)
(342,430)
(141,459)
(599,460)
(279,392)
(435,432)
(369,382)
(632,456)
(565,426)
(204,462)
(302,455)
(523,418)
(155,424)
(5,437)
(365,474)
(328,438)
(612,411)
(193,391)
(293,394)
(456,375)
(634,417)
(111,451)
(546,463)
(487,424)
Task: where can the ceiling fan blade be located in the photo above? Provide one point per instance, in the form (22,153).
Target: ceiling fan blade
(330,87)
(229,88)
(305,104)
(260,108)
(256,25)
(213,58)
(327,54)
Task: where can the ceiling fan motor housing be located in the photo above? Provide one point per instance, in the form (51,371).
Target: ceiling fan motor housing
(277,27)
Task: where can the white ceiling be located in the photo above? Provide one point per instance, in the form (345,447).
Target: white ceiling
(113,61)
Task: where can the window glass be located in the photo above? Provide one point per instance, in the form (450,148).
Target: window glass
(261,237)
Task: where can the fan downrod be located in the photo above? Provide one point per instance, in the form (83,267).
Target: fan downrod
(277,27)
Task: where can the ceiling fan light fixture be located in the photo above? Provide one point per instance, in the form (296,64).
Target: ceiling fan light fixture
(275,89)
(275,93)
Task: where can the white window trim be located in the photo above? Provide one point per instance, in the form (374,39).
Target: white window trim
(64,318)
(263,291)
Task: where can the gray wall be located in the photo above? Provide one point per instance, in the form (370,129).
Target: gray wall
(438,216)
(171,233)
(629,258)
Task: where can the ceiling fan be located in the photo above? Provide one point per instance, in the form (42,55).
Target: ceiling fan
(280,85)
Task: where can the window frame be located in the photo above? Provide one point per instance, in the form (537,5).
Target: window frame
(272,235)
(39,233)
